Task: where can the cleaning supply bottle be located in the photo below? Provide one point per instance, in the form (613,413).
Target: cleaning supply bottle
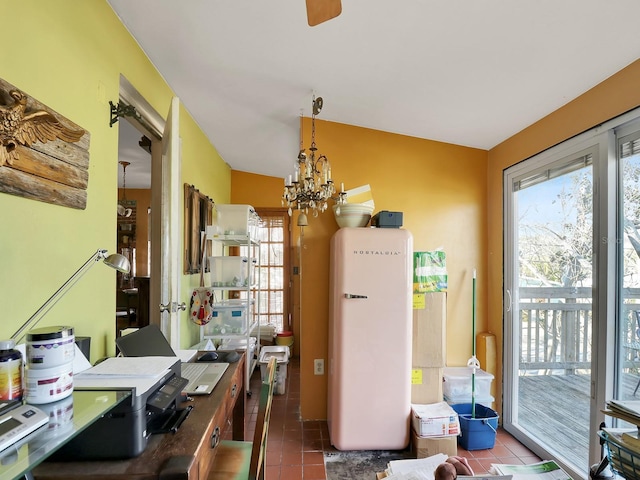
(10,371)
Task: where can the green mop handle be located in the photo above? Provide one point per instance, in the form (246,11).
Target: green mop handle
(473,316)
(473,347)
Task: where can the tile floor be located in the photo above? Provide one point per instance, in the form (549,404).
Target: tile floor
(295,448)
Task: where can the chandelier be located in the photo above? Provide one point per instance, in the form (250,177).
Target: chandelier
(311,186)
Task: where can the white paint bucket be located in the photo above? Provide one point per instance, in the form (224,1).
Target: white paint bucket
(50,347)
(45,385)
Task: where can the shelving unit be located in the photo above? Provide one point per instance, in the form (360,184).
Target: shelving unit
(248,301)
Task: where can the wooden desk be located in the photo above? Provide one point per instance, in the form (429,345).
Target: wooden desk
(185,455)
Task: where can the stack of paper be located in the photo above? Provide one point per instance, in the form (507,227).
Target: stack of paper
(414,469)
(545,470)
(625,408)
(140,373)
(424,469)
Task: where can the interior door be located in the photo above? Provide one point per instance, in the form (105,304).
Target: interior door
(165,228)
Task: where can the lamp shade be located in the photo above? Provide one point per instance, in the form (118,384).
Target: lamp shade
(119,262)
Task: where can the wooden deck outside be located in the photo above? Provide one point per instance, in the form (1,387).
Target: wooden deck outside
(555,408)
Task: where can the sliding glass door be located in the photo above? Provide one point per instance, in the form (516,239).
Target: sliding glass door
(550,306)
(628,338)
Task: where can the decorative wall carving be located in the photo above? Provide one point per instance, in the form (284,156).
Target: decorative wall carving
(43,155)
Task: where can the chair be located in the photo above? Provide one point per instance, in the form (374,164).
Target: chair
(247,460)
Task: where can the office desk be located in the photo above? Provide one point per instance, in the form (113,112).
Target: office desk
(185,455)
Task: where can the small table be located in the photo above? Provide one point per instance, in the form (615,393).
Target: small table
(185,455)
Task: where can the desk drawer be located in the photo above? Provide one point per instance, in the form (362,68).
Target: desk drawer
(219,423)
(234,392)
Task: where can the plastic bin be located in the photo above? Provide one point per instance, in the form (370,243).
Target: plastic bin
(457,383)
(477,432)
(231,271)
(281,353)
(486,401)
(227,319)
(237,220)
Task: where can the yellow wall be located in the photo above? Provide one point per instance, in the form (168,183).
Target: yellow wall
(441,190)
(614,96)
(69,55)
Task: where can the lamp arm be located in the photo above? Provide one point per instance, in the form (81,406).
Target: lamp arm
(44,309)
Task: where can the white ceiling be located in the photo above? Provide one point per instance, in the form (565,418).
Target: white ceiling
(468,72)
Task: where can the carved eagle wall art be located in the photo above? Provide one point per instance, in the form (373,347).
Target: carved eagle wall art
(19,127)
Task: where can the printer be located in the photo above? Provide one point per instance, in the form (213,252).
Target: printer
(123,432)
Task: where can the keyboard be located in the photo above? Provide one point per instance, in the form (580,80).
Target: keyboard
(192,372)
(202,377)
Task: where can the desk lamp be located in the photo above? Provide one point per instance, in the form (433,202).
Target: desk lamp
(115,260)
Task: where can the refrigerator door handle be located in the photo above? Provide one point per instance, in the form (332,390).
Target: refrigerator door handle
(350,295)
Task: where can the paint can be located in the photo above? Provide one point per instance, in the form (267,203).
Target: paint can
(50,347)
(46,385)
(48,375)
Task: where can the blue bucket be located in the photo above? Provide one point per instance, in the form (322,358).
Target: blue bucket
(479,432)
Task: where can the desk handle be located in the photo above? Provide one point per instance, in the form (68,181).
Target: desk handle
(215,437)
(234,390)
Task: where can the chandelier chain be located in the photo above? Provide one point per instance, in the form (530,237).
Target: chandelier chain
(124,179)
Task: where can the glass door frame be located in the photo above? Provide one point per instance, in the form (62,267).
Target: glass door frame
(602,147)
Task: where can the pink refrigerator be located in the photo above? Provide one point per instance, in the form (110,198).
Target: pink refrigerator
(369,389)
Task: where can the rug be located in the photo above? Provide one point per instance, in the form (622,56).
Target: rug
(360,465)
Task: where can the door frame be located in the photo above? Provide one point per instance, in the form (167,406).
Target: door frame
(152,124)
(599,140)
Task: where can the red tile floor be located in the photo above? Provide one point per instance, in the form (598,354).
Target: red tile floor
(295,448)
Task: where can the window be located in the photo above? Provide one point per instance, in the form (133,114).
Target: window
(275,246)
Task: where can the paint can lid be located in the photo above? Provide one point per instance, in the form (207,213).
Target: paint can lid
(49,333)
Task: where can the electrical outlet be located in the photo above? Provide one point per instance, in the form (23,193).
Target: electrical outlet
(318,366)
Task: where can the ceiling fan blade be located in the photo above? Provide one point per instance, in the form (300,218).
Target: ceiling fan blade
(319,11)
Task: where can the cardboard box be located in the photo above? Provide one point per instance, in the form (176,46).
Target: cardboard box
(423,447)
(426,385)
(429,329)
(435,420)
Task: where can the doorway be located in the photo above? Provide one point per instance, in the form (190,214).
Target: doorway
(133,226)
(164,274)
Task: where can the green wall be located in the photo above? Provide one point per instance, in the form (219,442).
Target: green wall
(69,55)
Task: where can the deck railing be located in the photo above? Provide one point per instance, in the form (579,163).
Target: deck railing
(556,326)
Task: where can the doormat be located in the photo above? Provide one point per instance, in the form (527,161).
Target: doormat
(360,465)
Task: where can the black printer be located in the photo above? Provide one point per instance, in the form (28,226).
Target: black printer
(124,431)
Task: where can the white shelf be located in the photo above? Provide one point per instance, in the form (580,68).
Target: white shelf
(251,302)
